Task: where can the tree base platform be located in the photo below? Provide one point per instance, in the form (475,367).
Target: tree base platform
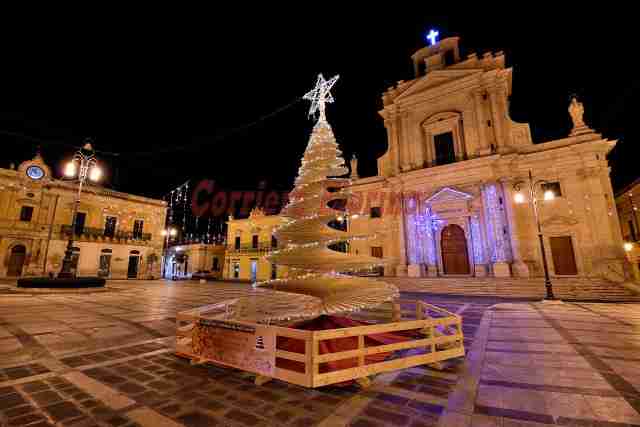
(394,336)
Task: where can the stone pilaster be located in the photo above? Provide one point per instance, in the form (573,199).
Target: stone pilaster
(519,267)
(392,137)
(401,267)
(479,260)
(499,116)
(403,132)
(483,139)
(496,229)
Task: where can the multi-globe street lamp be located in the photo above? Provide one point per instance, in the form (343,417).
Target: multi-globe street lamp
(167,233)
(83,165)
(548,195)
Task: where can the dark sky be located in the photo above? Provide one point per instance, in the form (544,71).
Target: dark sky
(161,86)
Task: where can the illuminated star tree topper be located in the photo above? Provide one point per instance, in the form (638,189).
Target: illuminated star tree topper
(320,95)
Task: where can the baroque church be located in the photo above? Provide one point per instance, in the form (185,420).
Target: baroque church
(456,160)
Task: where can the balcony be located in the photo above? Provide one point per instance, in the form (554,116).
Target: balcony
(93,234)
(249,249)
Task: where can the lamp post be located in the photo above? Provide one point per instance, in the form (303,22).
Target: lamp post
(83,164)
(548,195)
(169,232)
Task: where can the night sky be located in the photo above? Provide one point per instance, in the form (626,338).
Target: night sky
(182,94)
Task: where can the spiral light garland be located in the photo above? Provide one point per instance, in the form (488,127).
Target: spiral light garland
(306,235)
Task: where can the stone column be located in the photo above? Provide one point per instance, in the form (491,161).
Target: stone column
(479,261)
(483,139)
(498,115)
(418,144)
(496,229)
(430,256)
(427,138)
(518,267)
(401,268)
(403,140)
(413,236)
(393,145)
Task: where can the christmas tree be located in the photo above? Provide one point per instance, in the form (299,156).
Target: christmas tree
(315,236)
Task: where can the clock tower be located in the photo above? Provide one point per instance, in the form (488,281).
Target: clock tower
(35,170)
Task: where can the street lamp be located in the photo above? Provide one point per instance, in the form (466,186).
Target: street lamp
(169,232)
(85,159)
(548,195)
(628,246)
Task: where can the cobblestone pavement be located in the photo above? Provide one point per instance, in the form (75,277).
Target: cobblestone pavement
(105,359)
(537,364)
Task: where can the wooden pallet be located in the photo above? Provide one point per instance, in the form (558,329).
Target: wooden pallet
(441,339)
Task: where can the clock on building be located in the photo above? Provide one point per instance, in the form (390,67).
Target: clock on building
(35,172)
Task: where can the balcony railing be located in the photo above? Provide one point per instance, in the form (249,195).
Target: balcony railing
(98,233)
(263,248)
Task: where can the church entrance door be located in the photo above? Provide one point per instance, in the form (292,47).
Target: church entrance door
(16,260)
(564,260)
(455,259)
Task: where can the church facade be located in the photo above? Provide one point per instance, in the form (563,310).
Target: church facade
(444,200)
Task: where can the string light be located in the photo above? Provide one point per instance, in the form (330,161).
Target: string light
(309,229)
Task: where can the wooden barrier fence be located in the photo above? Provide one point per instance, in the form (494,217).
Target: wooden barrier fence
(440,338)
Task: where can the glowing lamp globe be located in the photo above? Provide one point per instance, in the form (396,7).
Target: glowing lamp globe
(95,173)
(628,246)
(70,169)
(549,195)
(173,232)
(518,198)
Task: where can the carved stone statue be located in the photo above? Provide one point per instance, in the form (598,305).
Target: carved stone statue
(354,167)
(576,111)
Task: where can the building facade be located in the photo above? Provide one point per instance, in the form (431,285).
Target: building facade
(248,241)
(443,201)
(627,204)
(182,261)
(117,234)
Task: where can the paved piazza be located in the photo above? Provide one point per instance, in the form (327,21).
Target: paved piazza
(105,359)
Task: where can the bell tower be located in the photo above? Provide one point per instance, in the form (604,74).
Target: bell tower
(436,57)
(454,109)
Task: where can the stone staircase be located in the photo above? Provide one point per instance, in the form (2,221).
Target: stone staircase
(582,289)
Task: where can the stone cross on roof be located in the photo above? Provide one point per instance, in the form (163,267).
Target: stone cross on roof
(433,36)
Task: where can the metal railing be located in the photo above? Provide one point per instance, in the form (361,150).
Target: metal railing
(99,233)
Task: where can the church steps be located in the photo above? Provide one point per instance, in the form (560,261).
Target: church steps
(575,289)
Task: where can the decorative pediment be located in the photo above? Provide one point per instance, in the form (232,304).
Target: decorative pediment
(448,194)
(558,220)
(434,79)
(35,171)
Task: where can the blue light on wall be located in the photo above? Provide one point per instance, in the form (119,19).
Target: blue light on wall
(432,36)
